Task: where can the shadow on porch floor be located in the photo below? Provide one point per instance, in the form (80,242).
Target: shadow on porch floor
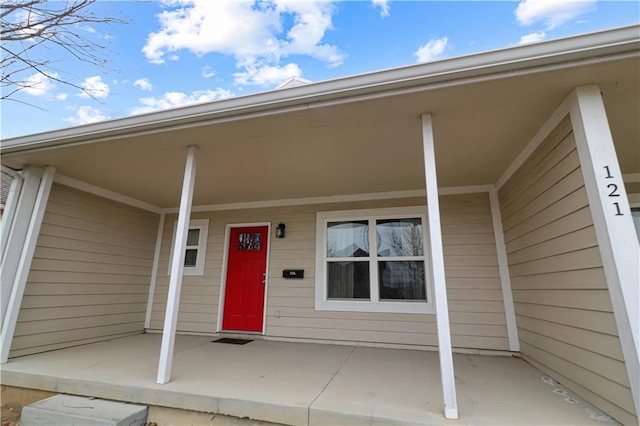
(304,383)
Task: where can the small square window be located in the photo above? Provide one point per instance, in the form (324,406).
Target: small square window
(196,248)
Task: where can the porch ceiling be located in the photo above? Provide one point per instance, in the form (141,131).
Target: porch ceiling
(363,146)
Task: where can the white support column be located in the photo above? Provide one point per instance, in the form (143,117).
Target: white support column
(503,266)
(612,221)
(24,264)
(154,272)
(16,239)
(177,267)
(10,207)
(436,260)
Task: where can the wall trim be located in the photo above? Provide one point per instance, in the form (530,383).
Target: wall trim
(631,177)
(105,193)
(154,272)
(505,278)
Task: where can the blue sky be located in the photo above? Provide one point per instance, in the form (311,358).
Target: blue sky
(176,52)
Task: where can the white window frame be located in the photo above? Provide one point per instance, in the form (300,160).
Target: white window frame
(323,303)
(198,269)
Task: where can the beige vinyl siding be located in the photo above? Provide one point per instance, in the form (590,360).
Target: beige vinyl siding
(90,275)
(475,297)
(563,309)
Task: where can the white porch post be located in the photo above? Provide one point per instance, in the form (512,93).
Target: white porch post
(177,267)
(23,267)
(16,234)
(436,259)
(10,207)
(612,221)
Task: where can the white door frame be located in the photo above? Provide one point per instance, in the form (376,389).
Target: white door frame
(223,275)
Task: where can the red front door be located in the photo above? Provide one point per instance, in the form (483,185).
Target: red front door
(246,275)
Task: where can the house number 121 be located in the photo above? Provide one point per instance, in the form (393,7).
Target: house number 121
(612,188)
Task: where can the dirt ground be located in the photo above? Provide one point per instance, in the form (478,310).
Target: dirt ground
(13,399)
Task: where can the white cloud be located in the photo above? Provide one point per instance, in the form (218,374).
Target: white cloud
(177,99)
(62,96)
(143,84)
(433,49)
(94,86)
(207,72)
(552,13)
(533,37)
(39,84)
(267,75)
(383,5)
(253,32)
(86,115)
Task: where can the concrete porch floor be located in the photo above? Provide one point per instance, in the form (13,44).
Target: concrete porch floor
(304,383)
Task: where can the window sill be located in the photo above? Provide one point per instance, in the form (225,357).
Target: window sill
(383,307)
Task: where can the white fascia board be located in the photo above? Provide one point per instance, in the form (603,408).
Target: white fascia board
(508,60)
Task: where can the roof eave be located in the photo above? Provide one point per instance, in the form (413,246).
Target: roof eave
(606,45)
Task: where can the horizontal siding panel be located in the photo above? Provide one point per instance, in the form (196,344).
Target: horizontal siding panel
(601,322)
(455,317)
(601,343)
(101,268)
(79,300)
(470,272)
(45,241)
(42,314)
(468,239)
(581,239)
(100,228)
(595,300)
(470,250)
(64,345)
(467,261)
(71,336)
(565,225)
(591,278)
(52,289)
(72,277)
(50,325)
(606,367)
(95,237)
(543,181)
(91,257)
(569,204)
(572,182)
(580,259)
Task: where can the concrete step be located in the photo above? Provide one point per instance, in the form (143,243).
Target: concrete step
(69,410)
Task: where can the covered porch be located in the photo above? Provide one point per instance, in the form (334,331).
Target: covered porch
(306,383)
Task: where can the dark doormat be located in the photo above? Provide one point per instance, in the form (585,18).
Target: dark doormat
(232,341)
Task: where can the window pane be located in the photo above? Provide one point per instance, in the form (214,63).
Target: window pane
(402,280)
(190,257)
(348,280)
(399,237)
(193,236)
(348,239)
